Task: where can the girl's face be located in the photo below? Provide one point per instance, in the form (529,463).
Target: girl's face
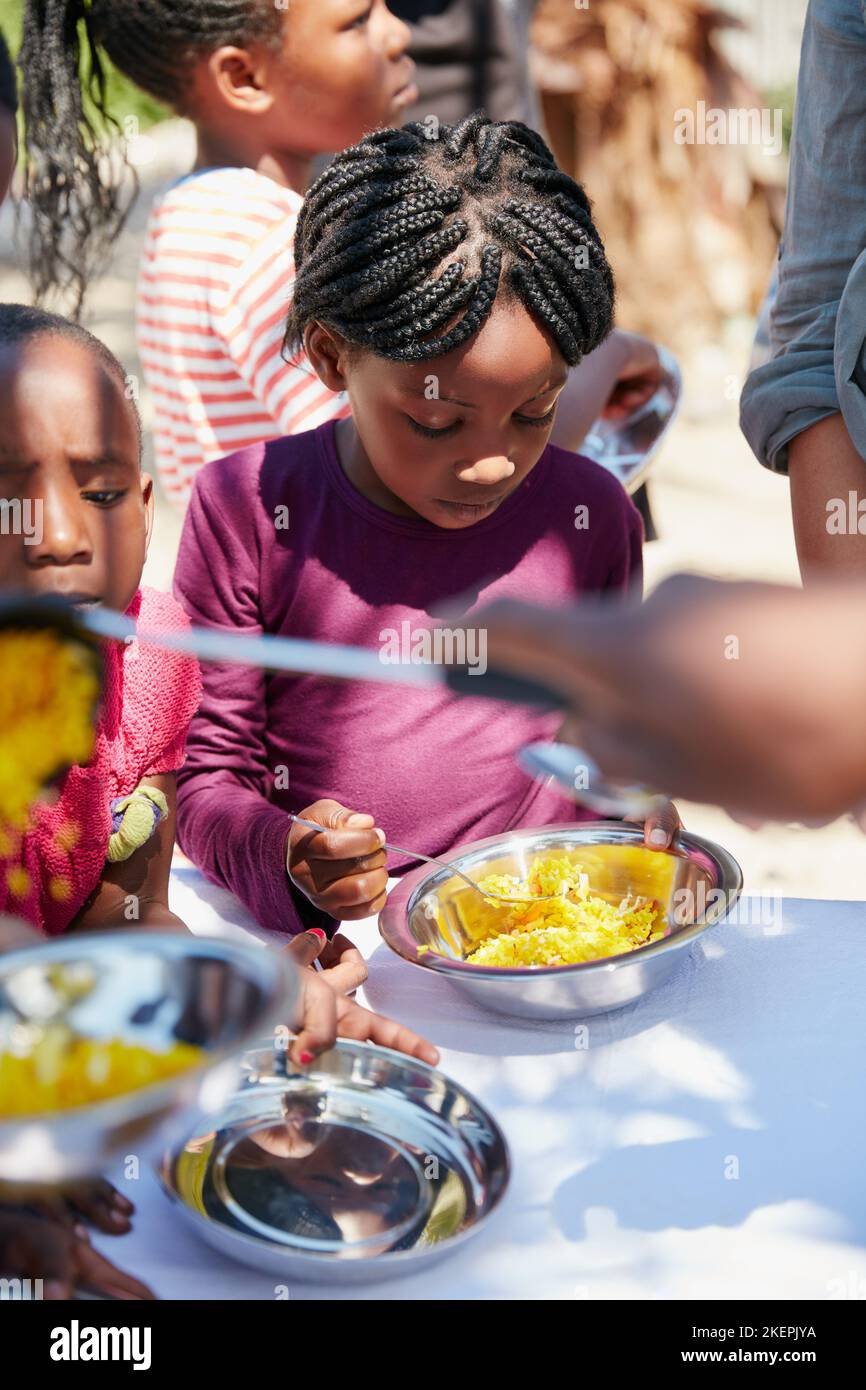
(75,508)
(450,438)
(344,71)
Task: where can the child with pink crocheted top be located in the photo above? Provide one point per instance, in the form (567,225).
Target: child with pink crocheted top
(70,451)
(99,855)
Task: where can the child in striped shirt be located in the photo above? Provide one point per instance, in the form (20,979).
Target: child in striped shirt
(269,86)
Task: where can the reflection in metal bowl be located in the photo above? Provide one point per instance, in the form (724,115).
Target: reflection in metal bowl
(433,919)
(365,1165)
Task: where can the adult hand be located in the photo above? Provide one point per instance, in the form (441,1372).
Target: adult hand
(749,696)
(638,375)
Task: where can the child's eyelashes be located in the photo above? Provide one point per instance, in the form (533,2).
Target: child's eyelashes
(105,497)
(429,433)
(544,419)
(360,19)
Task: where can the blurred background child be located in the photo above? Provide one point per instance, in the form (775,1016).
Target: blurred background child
(268,90)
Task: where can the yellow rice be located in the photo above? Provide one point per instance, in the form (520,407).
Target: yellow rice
(56,1075)
(575,927)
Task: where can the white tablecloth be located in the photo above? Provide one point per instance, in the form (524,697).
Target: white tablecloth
(707,1143)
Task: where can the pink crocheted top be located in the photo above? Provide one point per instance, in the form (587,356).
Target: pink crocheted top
(149,698)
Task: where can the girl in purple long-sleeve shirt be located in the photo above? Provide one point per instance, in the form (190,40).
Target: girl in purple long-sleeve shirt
(447,284)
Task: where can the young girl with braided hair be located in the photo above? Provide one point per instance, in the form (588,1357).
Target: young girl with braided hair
(447,285)
(269,87)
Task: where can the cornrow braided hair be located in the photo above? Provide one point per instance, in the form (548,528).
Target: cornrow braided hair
(81,194)
(404,242)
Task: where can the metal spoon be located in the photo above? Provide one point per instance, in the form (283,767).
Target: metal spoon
(443,864)
(578,776)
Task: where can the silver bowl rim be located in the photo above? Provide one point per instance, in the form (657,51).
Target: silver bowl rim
(105,1115)
(417,1255)
(394,917)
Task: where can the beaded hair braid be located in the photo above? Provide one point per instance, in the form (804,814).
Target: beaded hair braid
(404,242)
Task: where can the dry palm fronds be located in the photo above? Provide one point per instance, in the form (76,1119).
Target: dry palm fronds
(691,229)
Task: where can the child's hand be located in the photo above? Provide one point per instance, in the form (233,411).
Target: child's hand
(324,1015)
(342,870)
(661,826)
(363,1025)
(94,1199)
(35,1247)
(343,966)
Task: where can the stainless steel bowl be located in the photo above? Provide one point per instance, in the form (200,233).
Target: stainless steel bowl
(150,988)
(366,1165)
(627,447)
(696,884)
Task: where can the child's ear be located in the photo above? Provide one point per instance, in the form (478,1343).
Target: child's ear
(327,352)
(147,499)
(239,77)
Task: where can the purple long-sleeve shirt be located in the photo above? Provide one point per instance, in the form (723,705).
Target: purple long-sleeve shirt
(278,540)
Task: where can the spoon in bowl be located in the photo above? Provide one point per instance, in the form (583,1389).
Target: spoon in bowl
(443,864)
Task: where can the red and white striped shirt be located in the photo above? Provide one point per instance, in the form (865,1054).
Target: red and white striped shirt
(213,294)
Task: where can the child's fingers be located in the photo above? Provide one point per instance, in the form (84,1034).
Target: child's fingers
(345,834)
(365,1026)
(343,965)
(304,949)
(318,1025)
(94,1271)
(328,871)
(358,896)
(347,843)
(102,1204)
(33,1248)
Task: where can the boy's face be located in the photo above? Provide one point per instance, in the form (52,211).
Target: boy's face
(75,508)
(490,401)
(344,71)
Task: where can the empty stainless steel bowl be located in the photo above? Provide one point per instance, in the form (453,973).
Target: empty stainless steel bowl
(149,988)
(695,884)
(365,1165)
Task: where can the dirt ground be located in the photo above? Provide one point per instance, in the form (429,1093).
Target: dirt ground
(717,512)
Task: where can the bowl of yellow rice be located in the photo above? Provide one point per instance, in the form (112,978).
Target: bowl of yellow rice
(613,919)
(105,1037)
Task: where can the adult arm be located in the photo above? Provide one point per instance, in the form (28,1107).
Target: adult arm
(794,396)
(825,468)
(750,696)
